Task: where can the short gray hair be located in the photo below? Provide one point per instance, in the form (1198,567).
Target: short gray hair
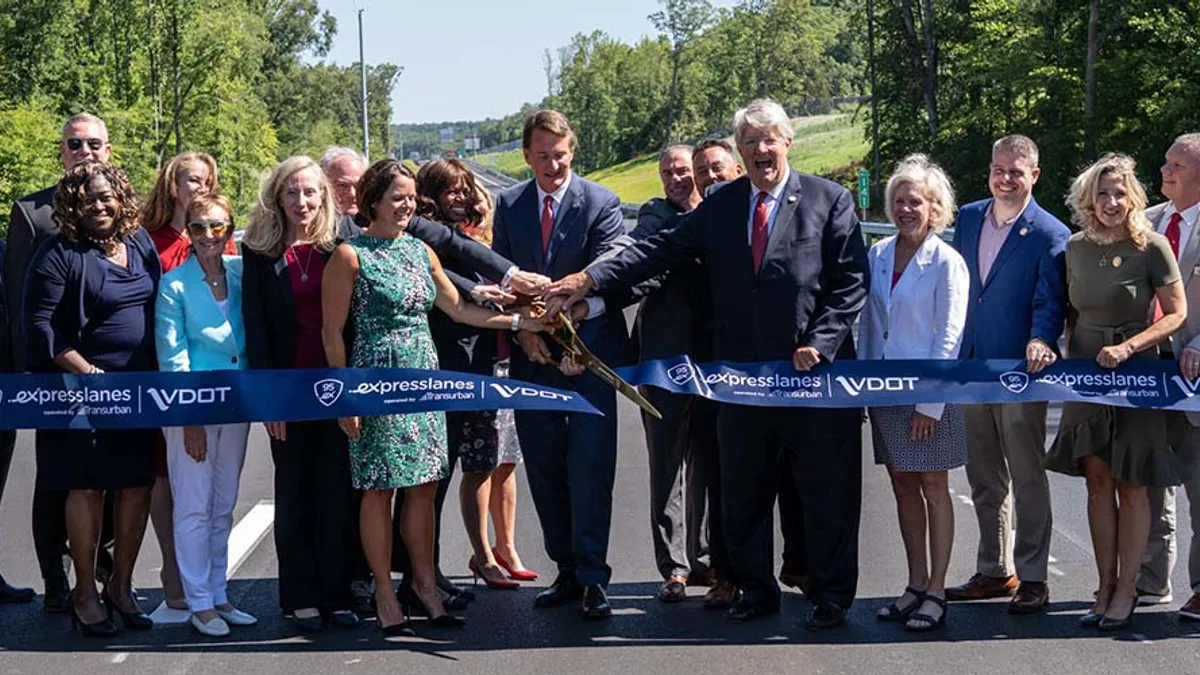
(336,152)
(933,182)
(85,118)
(1190,143)
(762,113)
(1021,146)
(672,149)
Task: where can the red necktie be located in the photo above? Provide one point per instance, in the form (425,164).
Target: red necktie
(1173,233)
(547,223)
(758,231)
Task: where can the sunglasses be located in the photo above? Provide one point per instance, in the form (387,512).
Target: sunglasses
(74,144)
(217,227)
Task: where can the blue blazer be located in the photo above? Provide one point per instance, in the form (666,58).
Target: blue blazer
(809,290)
(1025,294)
(190,330)
(588,222)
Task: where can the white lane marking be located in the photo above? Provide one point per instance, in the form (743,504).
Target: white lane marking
(1052,559)
(248,533)
(1142,639)
(965,500)
(1055,571)
(120,657)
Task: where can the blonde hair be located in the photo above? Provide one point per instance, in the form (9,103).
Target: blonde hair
(268,221)
(159,208)
(934,184)
(1082,199)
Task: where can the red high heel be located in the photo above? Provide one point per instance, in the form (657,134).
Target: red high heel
(519,575)
(477,573)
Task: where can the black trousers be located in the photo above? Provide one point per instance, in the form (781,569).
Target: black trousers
(791,523)
(313,532)
(823,447)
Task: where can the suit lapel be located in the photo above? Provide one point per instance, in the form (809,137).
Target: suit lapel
(883,278)
(205,305)
(914,271)
(785,216)
(1017,235)
(970,248)
(527,206)
(568,212)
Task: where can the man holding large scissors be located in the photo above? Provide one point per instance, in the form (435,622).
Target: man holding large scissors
(555,224)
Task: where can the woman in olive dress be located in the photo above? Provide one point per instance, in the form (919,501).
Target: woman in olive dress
(1118,271)
(386,282)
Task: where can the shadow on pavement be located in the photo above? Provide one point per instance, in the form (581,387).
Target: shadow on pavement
(506,621)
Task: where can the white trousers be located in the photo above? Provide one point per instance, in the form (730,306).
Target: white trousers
(205,494)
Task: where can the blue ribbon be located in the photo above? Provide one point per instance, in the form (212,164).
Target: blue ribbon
(1139,383)
(153,399)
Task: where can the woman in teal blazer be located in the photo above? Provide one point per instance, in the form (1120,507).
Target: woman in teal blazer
(199,326)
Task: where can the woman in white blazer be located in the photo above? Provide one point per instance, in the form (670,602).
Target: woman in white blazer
(198,326)
(916,310)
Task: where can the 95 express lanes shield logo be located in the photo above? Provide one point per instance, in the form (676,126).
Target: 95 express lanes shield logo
(1015,381)
(328,391)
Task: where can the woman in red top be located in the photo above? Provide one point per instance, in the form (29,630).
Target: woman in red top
(164,216)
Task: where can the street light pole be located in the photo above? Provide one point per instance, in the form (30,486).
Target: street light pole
(362,67)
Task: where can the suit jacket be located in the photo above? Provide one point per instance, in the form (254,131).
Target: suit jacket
(1189,265)
(811,286)
(1025,294)
(902,322)
(269,310)
(588,223)
(190,330)
(31,225)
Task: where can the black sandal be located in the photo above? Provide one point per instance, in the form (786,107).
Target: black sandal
(893,612)
(926,622)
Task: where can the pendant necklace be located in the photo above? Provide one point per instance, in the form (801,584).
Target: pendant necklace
(307,262)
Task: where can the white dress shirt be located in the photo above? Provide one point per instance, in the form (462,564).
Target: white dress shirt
(772,203)
(595,305)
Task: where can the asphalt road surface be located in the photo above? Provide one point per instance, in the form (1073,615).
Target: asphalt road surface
(506,635)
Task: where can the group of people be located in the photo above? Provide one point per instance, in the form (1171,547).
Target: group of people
(344,265)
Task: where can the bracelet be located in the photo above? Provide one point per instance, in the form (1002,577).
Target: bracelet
(516,322)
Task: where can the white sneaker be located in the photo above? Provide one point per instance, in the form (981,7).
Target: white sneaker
(236,617)
(215,627)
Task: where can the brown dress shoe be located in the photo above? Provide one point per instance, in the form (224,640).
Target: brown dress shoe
(1031,597)
(720,596)
(705,577)
(1191,609)
(673,590)
(982,587)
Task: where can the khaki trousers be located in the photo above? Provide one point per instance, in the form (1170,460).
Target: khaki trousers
(1155,576)
(1005,447)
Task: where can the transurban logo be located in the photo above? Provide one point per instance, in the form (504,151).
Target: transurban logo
(1188,387)
(857,385)
(165,398)
(508,391)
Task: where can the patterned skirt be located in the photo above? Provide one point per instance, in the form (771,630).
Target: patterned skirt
(946,450)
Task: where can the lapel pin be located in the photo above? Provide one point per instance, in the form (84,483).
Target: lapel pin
(791,199)
(1023,231)
(1117,261)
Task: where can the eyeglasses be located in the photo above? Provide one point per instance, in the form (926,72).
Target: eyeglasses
(217,227)
(74,144)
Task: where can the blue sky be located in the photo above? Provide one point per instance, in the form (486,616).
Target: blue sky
(472,59)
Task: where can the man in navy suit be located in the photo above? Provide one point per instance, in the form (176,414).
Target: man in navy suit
(555,224)
(1016,254)
(788,275)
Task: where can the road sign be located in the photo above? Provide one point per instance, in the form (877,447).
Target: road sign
(864,189)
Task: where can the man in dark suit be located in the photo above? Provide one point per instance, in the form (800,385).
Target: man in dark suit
(556,224)
(8,440)
(84,136)
(1016,254)
(788,276)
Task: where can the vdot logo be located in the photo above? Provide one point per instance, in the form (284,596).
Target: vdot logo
(328,391)
(857,385)
(508,391)
(681,373)
(1015,381)
(1188,387)
(165,398)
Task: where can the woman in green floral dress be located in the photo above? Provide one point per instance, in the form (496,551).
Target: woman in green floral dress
(385,282)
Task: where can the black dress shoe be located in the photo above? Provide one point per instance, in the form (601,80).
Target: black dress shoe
(448,621)
(825,615)
(746,610)
(564,589)
(344,618)
(595,603)
(58,596)
(307,624)
(13,594)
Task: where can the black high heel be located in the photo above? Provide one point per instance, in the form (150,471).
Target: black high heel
(408,598)
(402,629)
(138,620)
(105,628)
(412,605)
(448,621)
(1106,624)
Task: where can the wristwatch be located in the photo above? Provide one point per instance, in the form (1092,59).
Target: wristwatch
(516,322)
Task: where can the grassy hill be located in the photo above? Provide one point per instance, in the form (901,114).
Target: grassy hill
(825,145)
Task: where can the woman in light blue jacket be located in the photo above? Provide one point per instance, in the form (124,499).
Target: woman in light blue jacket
(917,309)
(198,326)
